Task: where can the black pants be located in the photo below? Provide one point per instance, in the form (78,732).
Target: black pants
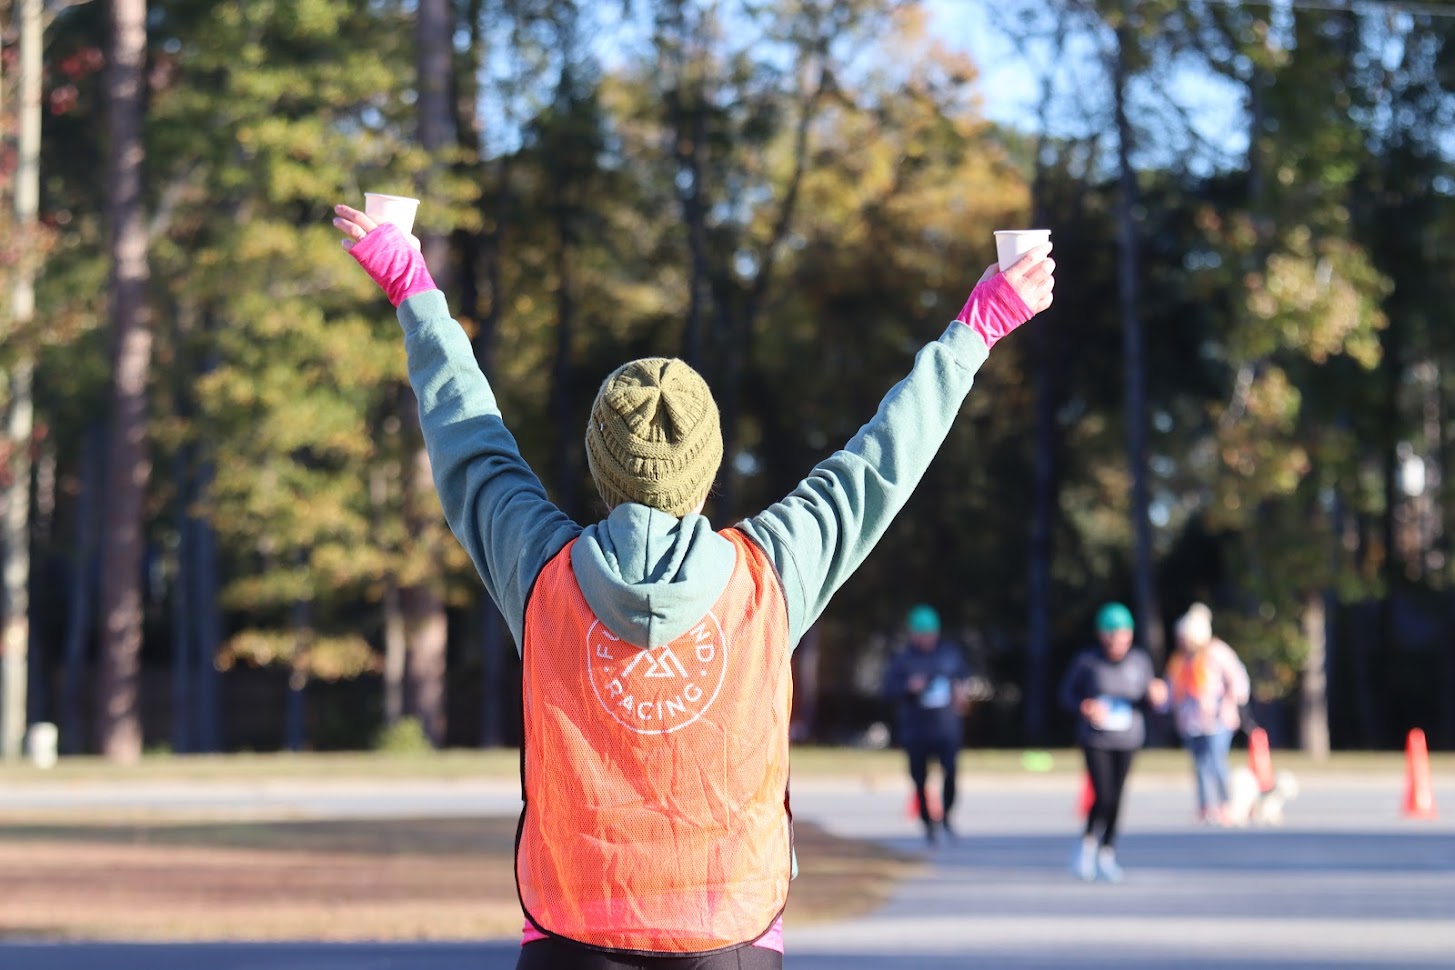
(554,954)
(944,749)
(1108,771)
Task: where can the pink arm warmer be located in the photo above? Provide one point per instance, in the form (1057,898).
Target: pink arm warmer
(994,309)
(389,259)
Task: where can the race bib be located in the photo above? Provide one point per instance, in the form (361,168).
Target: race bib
(1118,714)
(936,695)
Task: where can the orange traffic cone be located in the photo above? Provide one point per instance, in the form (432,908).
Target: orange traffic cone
(1419,796)
(932,802)
(1260,761)
(1087,799)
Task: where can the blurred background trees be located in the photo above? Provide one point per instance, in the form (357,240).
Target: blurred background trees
(794,196)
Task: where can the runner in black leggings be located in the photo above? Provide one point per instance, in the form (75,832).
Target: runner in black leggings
(1108,686)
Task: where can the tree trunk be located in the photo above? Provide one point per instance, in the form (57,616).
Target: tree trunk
(1043,510)
(425,626)
(183,654)
(492,675)
(81,597)
(495,206)
(129,465)
(1313,687)
(20,423)
(1043,475)
(806,687)
(434,52)
(1361,672)
(563,375)
(739,316)
(41,703)
(295,731)
(207,625)
(1392,567)
(427,630)
(395,643)
(396,650)
(47,462)
(424,608)
(433,30)
(685,107)
(1144,595)
(15,640)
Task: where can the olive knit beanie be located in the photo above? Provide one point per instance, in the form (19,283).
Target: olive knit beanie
(654,436)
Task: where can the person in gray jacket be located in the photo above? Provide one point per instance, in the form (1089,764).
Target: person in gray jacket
(1107,687)
(635,768)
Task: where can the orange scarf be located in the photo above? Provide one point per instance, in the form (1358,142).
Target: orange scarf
(1192,674)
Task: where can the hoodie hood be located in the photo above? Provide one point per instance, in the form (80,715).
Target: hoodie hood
(650,576)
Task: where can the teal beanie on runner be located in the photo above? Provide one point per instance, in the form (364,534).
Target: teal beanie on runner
(922,619)
(1114,616)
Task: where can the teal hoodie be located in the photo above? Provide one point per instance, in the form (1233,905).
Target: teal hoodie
(648,576)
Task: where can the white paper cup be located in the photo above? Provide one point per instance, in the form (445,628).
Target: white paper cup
(1012,244)
(396,209)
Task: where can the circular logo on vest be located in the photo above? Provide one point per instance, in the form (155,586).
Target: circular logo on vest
(662,689)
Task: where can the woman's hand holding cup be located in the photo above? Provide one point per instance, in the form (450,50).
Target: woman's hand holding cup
(1033,277)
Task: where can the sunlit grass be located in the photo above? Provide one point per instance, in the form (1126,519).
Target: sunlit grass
(356,879)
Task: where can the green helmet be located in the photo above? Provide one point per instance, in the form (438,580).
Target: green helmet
(1114,616)
(922,619)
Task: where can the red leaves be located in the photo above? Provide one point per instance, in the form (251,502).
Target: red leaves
(81,63)
(62,99)
(67,74)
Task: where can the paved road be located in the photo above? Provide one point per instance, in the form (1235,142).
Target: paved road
(1347,883)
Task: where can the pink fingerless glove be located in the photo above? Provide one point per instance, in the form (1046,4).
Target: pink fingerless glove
(390,260)
(994,309)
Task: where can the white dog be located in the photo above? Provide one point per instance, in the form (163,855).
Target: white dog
(1248,806)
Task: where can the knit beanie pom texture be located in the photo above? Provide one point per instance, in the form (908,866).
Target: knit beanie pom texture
(654,436)
(1195,626)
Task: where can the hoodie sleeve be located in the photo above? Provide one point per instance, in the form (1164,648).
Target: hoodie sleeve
(1073,685)
(1242,687)
(827,526)
(896,677)
(494,503)
(1239,686)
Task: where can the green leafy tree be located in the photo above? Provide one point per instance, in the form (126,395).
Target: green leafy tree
(274,113)
(1306,317)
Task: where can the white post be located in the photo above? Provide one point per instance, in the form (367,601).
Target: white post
(20,422)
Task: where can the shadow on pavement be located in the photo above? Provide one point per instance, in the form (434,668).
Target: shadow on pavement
(1215,850)
(501,956)
(1117,961)
(259,956)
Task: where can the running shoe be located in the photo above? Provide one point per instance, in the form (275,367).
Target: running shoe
(1083,864)
(1107,869)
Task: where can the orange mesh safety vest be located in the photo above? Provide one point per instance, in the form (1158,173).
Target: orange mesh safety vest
(656,781)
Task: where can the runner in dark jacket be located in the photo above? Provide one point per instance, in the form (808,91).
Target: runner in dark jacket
(1108,686)
(929,681)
